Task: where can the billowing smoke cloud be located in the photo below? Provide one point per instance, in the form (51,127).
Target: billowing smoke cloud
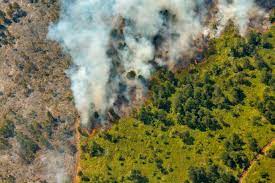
(113,44)
(239,11)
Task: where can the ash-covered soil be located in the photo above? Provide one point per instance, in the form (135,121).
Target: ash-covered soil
(37,114)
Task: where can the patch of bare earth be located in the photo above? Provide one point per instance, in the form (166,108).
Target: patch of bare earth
(35,96)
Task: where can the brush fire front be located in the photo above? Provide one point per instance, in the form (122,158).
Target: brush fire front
(116,46)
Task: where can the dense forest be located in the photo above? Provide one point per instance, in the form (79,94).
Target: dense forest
(201,124)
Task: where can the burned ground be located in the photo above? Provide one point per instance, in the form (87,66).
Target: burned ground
(37,114)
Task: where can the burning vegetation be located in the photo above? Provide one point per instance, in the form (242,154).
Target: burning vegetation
(116,46)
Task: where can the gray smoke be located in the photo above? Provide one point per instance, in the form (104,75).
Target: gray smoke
(54,167)
(239,11)
(113,43)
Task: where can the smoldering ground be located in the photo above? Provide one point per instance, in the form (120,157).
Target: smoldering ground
(113,44)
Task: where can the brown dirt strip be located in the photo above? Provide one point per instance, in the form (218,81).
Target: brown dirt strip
(255,159)
(77,159)
(76,178)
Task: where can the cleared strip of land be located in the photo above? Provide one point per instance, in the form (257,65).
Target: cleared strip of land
(257,157)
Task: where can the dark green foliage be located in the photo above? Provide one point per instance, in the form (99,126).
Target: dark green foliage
(256,120)
(136,177)
(187,138)
(146,115)
(272,16)
(150,115)
(267,45)
(242,79)
(235,143)
(271,153)
(96,150)
(264,175)
(7,130)
(159,164)
(111,138)
(248,65)
(235,159)
(85,178)
(241,159)
(253,145)
(266,77)
(216,174)
(241,47)
(228,160)
(267,107)
(213,174)
(37,131)
(193,105)
(219,100)
(255,39)
(261,64)
(28,147)
(202,121)
(162,87)
(238,95)
(198,175)
(216,70)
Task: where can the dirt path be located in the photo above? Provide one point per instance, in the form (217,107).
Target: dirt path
(255,159)
(76,178)
(77,159)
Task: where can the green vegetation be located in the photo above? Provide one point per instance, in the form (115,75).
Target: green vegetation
(263,170)
(41,132)
(7,130)
(212,174)
(15,12)
(28,147)
(271,154)
(202,124)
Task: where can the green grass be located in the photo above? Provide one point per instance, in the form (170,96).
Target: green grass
(158,151)
(262,171)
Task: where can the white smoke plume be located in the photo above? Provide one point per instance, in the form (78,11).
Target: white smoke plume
(239,11)
(113,42)
(53,166)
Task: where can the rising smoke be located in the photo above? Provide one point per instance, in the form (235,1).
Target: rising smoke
(240,11)
(113,44)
